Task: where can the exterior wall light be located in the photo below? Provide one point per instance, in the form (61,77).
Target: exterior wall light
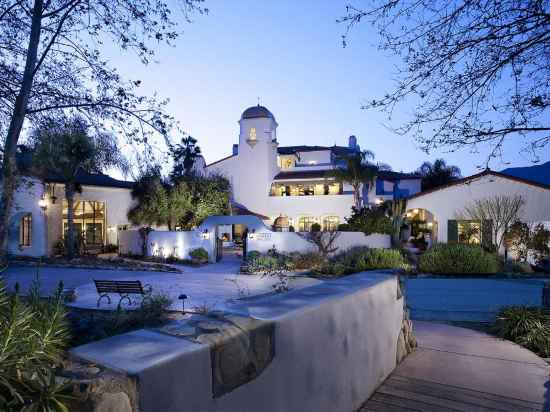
(378,201)
(43,203)
(252,235)
(205,234)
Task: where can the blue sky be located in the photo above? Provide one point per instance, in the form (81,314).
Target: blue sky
(290,55)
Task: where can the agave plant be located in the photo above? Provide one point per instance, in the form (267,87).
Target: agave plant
(33,335)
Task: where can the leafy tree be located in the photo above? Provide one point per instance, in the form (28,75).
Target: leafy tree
(149,191)
(358,171)
(184,156)
(65,149)
(476,71)
(51,62)
(369,220)
(211,196)
(437,174)
(185,203)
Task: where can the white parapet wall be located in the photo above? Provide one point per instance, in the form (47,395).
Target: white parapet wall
(130,242)
(288,242)
(165,243)
(335,343)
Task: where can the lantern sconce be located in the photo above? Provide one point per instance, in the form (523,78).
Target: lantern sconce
(252,235)
(43,203)
(205,235)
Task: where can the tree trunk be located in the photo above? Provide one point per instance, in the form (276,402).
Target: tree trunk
(70,239)
(9,167)
(357,195)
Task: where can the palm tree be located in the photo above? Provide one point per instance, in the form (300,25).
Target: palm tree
(184,156)
(437,174)
(357,170)
(65,148)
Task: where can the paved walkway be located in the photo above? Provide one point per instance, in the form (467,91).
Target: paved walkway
(457,369)
(213,286)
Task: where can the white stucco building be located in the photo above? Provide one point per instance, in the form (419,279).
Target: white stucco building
(442,209)
(39,215)
(272,181)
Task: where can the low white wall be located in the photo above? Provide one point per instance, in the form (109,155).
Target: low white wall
(178,244)
(335,343)
(288,242)
(129,242)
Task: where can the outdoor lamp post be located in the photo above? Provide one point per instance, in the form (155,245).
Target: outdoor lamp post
(182,297)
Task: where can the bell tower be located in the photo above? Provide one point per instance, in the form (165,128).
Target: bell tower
(257,155)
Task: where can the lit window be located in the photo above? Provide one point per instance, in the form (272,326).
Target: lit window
(305,223)
(469,231)
(330,223)
(25,229)
(252,133)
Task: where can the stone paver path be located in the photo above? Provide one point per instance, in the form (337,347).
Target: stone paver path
(457,369)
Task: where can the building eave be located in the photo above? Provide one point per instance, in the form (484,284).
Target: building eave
(487,172)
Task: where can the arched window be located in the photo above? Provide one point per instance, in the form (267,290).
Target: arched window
(305,223)
(330,223)
(25,229)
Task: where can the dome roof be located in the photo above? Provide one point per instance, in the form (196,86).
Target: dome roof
(257,111)
(282,222)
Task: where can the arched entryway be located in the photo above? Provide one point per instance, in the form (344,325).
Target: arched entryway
(420,228)
(231,233)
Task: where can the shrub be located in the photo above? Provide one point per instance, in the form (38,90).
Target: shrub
(344,227)
(33,336)
(307,260)
(316,227)
(370,220)
(360,259)
(518,267)
(527,326)
(253,254)
(199,254)
(291,228)
(457,258)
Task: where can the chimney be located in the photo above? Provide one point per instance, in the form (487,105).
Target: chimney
(352,142)
(235,149)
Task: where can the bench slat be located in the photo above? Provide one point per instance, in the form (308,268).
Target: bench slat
(120,287)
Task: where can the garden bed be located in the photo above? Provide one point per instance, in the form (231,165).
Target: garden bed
(94,262)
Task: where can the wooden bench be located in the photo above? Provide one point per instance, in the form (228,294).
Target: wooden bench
(124,288)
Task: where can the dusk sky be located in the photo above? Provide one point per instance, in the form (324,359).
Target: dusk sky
(290,55)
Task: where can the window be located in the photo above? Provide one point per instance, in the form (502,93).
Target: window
(305,223)
(469,231)
(89,221)
(330,223)
(464,231)
(25,229)
(313,189)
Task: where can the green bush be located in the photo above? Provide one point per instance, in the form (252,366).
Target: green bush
(33,336)
(527,326)
(316,227)
(199,254)
(369,220)
(360,259)
(307,260)
(253,254)
(457,258)
(344,227)
(268,262)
